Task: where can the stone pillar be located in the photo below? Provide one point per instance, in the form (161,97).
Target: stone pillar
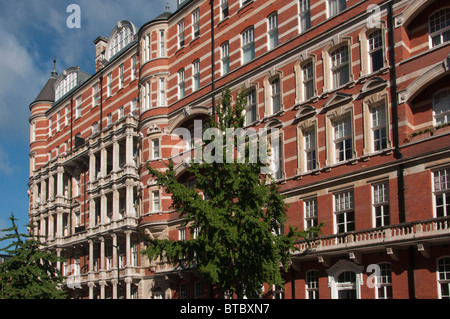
(51,187)
(115,204)
(59,222)
(129,148)
(60,181)
(102,253)
(116,150)
(91,166)
(91,212)
(129,199)
(102,289)
(103,207)
(43,190)
(91,286)
(128,248)
(91,255)
(103,160)
(128,282)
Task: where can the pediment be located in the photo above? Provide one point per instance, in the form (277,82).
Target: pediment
(374,84)
(338,99)
(305,111)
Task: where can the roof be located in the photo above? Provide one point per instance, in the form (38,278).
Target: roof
(48,92)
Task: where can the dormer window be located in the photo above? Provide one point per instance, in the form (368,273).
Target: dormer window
(67,82)
(121,36)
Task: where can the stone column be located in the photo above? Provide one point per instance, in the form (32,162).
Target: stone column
(51,187)
(60,181)
(91,286)
(129,148)
(129,198)
(59,222)
(128,288)
(115,204)
(116,150)
(102,289)
(103,207)
(102,253)
(91,255)
(128,248)
(103,160)
(91,166)
(91,212)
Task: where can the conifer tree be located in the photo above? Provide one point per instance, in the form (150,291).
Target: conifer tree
(238,244)
(30,272)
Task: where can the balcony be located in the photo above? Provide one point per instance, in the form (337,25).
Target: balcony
(417,232)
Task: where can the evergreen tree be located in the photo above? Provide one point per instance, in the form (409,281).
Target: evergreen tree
(30,272)
(238,244)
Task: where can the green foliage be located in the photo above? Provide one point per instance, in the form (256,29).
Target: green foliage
(239,246)
(30,272)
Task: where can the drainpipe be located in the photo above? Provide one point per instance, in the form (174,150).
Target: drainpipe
(213,86)
(101,102)
(395,117)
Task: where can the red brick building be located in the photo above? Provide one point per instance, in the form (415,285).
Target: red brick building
(360,91)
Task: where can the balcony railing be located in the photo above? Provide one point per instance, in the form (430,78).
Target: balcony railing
(417,230)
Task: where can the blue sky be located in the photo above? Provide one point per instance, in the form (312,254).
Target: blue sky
(32,33)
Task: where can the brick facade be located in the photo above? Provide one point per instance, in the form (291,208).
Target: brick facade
(371,94)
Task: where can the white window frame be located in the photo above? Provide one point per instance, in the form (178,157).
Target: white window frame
(182,234)
(95,94)
(441,114)
(378,121)
(121,76)
(196,23)
(310,149)
(181,84)
(310,212)
(196,75)
(443,276)
(275,95)
(344,205)
(109,85)
(340,66)
(181,35)
(225,58)
(437,35)
(312,284)
(380,204)
(156,149)
(383,282)
(95,128)
(272,31)
(251,108)
(375,48)
(441,192)
(334,7)
(162,92)
(162,43)
(224,9)
(343,139)
(304,15)
(248,44)
(307,73)
(78,107)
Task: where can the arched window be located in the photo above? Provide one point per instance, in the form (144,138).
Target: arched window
(439,27)
(67,81)
(441,107)
(346,285)
(121,36)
